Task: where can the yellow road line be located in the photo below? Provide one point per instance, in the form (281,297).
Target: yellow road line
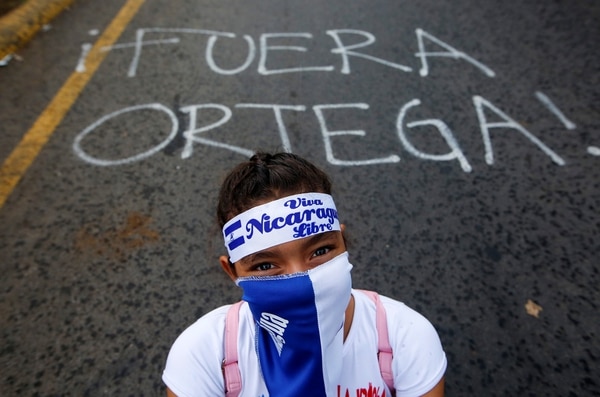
(24,154)
(22,23)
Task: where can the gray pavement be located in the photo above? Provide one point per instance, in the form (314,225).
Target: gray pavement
(471,193)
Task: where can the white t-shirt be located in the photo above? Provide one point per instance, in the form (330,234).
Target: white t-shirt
(194,363)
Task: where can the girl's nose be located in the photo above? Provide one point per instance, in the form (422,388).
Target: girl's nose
(296,267)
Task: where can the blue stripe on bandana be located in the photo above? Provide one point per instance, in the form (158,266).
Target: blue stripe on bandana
(288,339)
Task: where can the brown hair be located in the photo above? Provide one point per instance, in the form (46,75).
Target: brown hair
(266,177)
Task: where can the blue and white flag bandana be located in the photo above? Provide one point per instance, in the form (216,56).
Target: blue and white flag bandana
(300,327)
(278,222)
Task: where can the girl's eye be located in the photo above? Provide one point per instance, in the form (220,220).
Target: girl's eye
(263,267)
(322,251)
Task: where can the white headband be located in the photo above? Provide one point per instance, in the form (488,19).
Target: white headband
(278,222)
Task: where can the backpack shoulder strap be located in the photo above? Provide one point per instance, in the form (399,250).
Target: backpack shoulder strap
(384,353)
(231,370)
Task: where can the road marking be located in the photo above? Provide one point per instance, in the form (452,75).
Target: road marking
(555,110)
(17,163)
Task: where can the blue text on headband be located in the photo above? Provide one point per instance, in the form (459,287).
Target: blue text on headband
(279,221)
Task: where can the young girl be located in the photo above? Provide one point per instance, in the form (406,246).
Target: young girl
(301,329)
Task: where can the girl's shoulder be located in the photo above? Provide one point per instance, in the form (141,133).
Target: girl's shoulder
(210,324)
(397,312)
(194,361)
(419,360)
(410,332)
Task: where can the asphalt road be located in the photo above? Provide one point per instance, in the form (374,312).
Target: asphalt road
(462,137)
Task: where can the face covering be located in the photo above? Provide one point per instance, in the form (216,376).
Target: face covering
(300,327)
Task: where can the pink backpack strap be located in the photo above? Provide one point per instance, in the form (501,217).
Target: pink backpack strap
(384,353)
(231,370)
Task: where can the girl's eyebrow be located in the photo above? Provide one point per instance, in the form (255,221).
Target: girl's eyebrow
(253,258)
(320,237)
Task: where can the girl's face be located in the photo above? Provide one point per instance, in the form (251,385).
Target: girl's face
(287,258)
